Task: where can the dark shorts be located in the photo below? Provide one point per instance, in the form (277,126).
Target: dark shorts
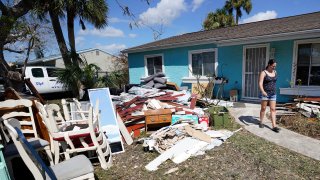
(268,98)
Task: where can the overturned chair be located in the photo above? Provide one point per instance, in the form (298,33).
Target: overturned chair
(76,136)
(78,167)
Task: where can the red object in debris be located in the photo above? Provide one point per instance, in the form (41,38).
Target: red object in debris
(135,108)
(135,128)
(311,99)
(204,119)
(193,101)
(127,104)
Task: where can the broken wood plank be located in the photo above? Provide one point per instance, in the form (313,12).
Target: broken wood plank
(197,134)
(123,130)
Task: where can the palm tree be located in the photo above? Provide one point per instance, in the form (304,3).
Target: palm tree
(75,76)
(92,11)
(219,18)
(237,6)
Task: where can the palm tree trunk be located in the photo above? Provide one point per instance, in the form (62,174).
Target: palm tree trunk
(71,37)
(63,47)
(60,38)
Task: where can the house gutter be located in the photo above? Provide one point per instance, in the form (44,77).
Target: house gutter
(256,39)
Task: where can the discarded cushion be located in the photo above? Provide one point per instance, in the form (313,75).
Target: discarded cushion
(160,80)
(150,83)
(159,85)
(149,78)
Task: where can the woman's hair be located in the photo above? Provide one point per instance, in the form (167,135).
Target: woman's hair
(270,62)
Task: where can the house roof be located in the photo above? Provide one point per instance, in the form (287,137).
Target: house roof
(58,56)
(293,25)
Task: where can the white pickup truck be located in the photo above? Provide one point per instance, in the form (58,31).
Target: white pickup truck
(44,79)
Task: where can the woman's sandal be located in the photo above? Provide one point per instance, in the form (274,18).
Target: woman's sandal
(276,129)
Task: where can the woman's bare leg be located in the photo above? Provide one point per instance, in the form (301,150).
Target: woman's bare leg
(263,110)
(272,105)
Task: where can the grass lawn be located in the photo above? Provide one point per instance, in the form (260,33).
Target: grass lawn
(243,156)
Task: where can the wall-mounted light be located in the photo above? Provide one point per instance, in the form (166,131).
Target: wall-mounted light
(272,52)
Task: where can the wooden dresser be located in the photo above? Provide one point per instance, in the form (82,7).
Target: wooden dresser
(159,117)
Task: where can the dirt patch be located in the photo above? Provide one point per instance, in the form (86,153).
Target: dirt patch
(243,156)
(302,125)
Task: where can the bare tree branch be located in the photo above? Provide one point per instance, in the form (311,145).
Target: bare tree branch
(30,46)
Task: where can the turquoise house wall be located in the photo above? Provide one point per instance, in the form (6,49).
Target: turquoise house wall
(283,56)
(230,60)
(175,63)
(230,67)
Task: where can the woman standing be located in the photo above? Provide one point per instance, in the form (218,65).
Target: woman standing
(267,85)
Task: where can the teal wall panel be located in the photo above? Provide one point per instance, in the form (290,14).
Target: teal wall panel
(230,67)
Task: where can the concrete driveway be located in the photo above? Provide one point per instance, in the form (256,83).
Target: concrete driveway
(247,115)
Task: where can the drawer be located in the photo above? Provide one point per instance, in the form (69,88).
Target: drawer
(152,119)
(165,118)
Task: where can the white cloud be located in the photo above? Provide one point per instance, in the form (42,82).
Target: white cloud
(164,13)
(106,32)
(196,4)
(132,35)
(111,48)
(79,40)
(261,16)
(117,20)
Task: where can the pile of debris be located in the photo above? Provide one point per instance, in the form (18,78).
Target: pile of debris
(131,106)
(309,107)
(180,141)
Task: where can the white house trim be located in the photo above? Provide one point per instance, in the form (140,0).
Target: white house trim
(204,79)
(270,38)
(300,90)
(215,50)
(267,46)
(238,41)
(295,56)
(150,56)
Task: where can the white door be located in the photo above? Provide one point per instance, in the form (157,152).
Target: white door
(255,60)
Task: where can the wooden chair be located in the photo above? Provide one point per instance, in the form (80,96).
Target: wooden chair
(24,112)
(78,167)
(73,110)
(78,137)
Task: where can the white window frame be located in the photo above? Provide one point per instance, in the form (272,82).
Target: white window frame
(150,56)
(295,59)
(215,50)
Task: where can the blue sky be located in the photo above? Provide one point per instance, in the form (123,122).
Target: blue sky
(175,17)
